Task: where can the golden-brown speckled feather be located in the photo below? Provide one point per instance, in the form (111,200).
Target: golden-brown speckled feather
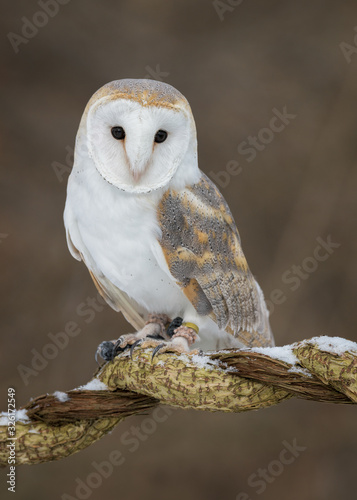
(202,249)
(155,94)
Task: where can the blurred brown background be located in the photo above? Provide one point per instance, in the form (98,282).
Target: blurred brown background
(235,64)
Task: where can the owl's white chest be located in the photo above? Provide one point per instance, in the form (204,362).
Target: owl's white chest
(118,233)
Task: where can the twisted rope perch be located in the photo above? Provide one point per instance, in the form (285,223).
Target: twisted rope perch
(320,369)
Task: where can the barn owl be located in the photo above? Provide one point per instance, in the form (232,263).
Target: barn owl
(155,233)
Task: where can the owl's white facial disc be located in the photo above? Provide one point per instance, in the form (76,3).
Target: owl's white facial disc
(136,163)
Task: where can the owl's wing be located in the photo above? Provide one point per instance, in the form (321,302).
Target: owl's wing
(201,245)
(115,297)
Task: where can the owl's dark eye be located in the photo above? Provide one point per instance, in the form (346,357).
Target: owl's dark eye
(160,136)
(118,133)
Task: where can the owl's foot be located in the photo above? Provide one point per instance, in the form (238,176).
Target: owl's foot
(154,328)
(181,341)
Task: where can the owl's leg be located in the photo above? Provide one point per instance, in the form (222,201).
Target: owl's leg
(182,339)
(155,328)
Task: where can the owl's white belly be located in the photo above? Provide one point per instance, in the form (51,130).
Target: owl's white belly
(125,256)
(118,234)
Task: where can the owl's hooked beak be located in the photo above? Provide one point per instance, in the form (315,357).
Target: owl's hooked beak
(138,154)
(136,175)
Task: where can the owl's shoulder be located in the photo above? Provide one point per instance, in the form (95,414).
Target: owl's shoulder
(200,210)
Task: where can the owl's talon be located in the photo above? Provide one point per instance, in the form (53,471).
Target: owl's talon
(133,347)
(156,350)
(118,342)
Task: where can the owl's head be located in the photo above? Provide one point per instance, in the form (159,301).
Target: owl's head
(138,134)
